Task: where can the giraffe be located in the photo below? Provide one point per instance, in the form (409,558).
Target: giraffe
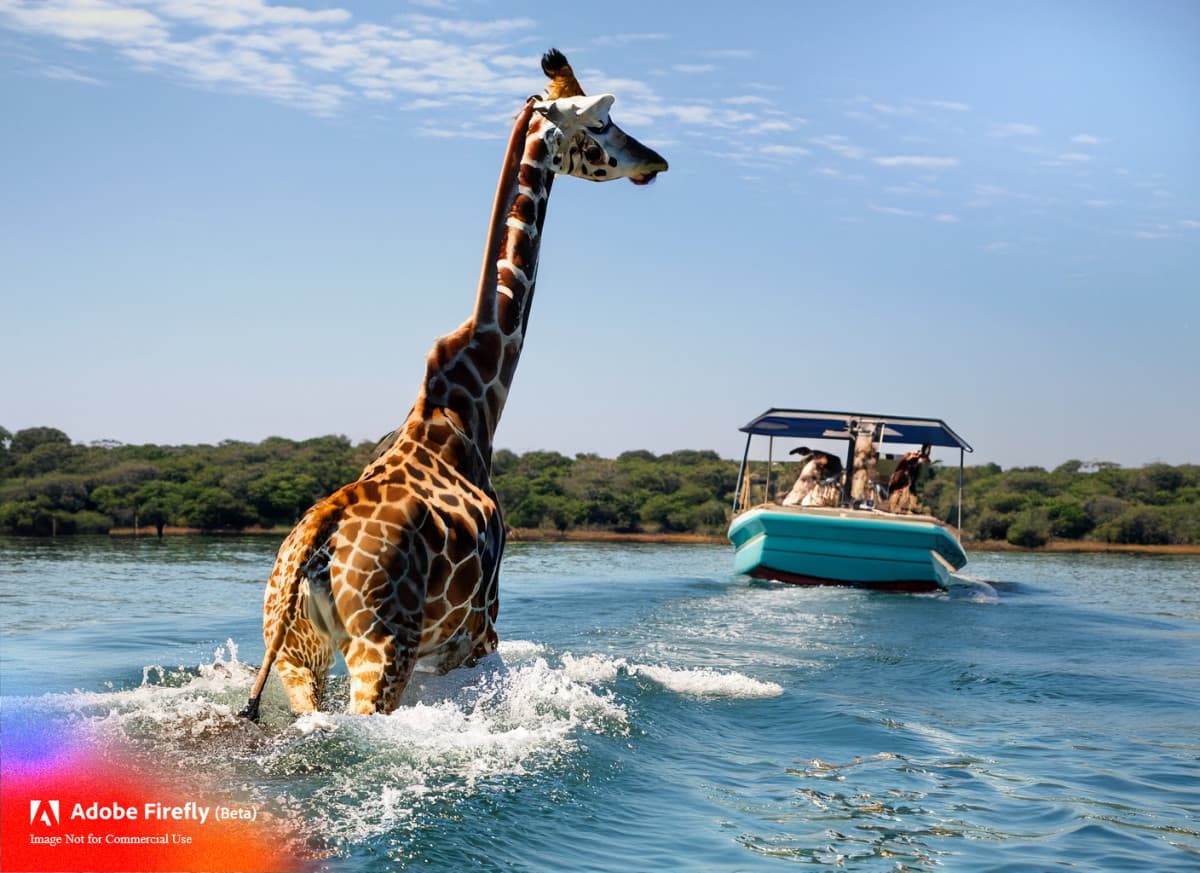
(403,563)
(902,486)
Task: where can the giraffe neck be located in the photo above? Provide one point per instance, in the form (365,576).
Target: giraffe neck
(469,372)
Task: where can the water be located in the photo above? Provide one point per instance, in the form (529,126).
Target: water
(649,711)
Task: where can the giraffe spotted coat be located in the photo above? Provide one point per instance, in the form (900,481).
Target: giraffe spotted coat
(403,563)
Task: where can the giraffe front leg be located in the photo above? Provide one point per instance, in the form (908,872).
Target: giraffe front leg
(458,651)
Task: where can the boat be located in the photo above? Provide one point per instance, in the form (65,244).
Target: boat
(847,522)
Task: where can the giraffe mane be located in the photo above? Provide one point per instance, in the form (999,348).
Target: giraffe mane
(562,78)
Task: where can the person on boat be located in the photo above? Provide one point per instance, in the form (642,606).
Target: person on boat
(902,487)
(815,485)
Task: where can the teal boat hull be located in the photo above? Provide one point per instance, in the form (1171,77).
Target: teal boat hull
(859,548)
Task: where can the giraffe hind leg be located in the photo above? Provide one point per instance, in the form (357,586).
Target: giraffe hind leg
(303,676)
(379,672)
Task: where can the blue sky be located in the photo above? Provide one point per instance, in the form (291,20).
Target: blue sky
(228,219)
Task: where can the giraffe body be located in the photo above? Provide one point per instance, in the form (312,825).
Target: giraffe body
(403,563)
(344,578)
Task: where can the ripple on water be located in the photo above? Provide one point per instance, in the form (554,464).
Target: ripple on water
(466,735)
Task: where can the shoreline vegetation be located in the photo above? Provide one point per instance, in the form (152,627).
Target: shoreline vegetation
(542,535)
(52,486)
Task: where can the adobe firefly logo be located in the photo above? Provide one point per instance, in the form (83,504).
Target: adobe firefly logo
(45,812)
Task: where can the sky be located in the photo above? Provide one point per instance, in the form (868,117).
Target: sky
(232,219)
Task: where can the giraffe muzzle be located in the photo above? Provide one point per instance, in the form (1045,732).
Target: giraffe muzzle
(651,164)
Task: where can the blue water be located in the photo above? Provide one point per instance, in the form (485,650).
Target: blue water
(650,711)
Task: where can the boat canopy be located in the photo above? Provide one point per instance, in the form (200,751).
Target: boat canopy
(814,424)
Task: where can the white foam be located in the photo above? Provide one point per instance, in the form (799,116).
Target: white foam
(181,703)
(518,712)
(313,722)
(504,721)
(519,650)
(593,669)
(972,589)
(704,682)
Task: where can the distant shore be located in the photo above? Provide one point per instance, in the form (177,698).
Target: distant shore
(539,535)
(1083,547)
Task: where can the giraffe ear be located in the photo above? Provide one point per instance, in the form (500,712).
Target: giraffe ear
(572,113)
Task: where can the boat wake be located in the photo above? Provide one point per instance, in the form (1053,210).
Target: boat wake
(972,589)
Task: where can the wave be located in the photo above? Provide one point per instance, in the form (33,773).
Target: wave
(521,712)
(704,682)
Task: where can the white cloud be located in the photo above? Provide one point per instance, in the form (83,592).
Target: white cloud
(947,105)
(928,162)
(458,132)
(1099,204)
(774,126)
(895,210)
(694,113)
(68,75)
(693,68)
(784,151)
(1013,128)
(987,194)
(617,40)
(900,212)
(997,246)
(1189,224)
(730,54)
(1075,157)
(313,59)
(840,145)
(226,15)
(913,189)
(832,173)
(85,20)
(890,109)
(747,100)
(1086,139)
(468,29)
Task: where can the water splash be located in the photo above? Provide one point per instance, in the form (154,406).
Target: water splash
(704,682)
(972,589)
(520,712)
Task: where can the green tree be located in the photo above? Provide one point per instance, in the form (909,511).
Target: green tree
(282,496)
(38,450)
(25,441)
(1138,525)
(1030,528)
(29,517)
(159,504)
(215,509)
(1067,518)
(993,525)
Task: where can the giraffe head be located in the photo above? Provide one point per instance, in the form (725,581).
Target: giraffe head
(581,137)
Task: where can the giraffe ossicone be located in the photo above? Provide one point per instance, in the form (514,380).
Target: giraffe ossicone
(403,563)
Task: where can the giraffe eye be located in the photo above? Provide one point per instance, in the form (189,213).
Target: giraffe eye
(594,154)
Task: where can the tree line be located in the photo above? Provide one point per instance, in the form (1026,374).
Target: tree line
(50,485)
